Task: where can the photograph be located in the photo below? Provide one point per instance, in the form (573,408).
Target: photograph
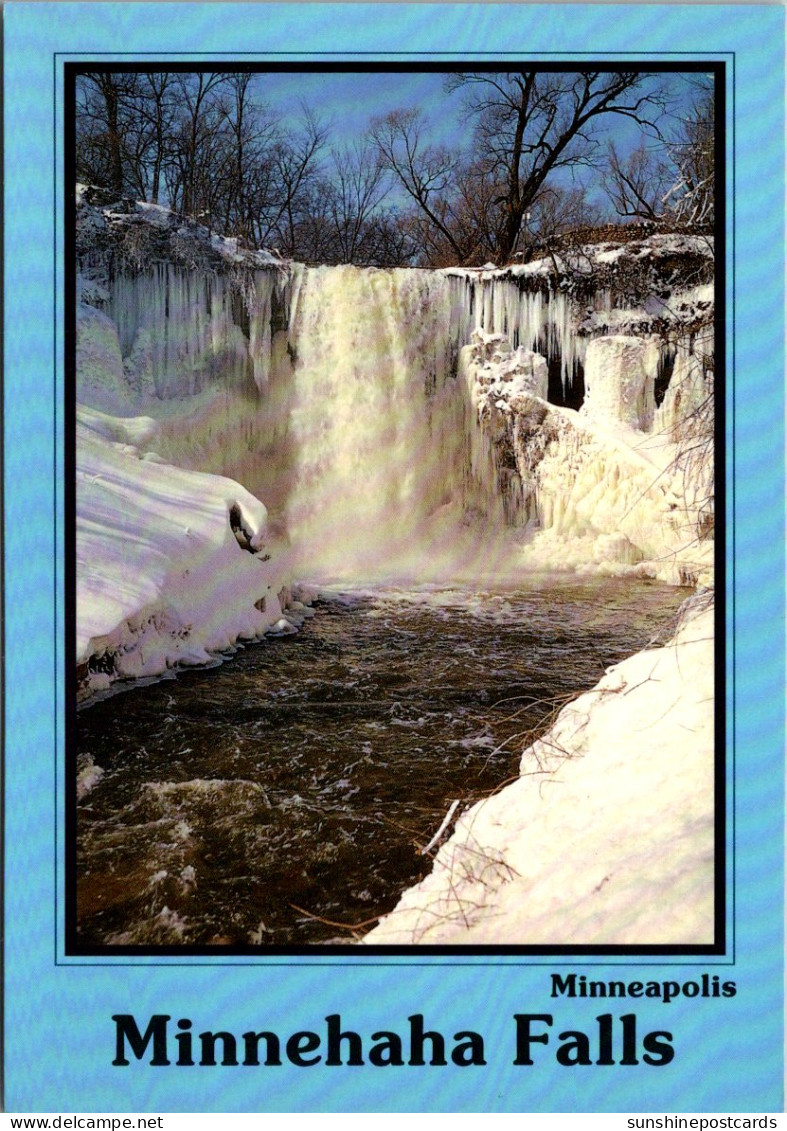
(390,507)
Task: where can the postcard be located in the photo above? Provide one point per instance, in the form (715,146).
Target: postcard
(394,558)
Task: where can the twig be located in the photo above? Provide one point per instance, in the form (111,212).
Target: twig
(446,821)
(332,922)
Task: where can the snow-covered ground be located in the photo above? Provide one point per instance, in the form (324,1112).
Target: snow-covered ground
(590,259)
(607,837)
(173,565)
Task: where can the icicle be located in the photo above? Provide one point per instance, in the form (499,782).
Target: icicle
(182,330)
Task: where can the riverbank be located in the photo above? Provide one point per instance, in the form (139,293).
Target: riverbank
(607,837)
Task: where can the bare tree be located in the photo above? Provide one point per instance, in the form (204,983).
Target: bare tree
(195,143)
(313,236)
(358,189)
(528,125)
(105,127)
(531,124)
(151,106)
(249,133)
(637,184)
(691,198)
(392,240)
(671,181)
(295,163)
(426,173)
(206,143)
(558,212)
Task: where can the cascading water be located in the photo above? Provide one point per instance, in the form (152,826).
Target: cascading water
(377,428)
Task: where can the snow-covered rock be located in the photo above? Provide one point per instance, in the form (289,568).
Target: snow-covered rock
(505,372)
(623,782)
(133,234)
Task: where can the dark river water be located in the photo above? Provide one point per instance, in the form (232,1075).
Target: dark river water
(284,797)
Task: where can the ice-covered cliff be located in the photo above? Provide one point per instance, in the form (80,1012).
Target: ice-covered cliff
(606,486)
(384,439)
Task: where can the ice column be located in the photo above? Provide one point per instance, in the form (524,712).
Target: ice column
(619,376)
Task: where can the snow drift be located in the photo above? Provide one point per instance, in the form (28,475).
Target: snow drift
(171,564)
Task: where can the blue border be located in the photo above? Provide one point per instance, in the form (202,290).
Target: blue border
(59,1036)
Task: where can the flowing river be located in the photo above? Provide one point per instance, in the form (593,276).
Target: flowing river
(283,798)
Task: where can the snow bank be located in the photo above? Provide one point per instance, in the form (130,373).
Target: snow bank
(608,835)
(133,232)
(171,564)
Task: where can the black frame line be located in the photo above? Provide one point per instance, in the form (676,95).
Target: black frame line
(721,65)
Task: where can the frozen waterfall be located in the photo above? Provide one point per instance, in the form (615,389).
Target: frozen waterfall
(182,328)
(336,395)
(540,320)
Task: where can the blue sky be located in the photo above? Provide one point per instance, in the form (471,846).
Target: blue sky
(347,101)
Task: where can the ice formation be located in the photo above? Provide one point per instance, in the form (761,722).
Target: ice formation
(599,489)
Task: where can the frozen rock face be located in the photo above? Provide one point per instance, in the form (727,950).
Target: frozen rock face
(689,395)
(101,380)
(505,388)
(505,372)
(619,380)
(536,317)
(334,397)
(181,330)
(592,491)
